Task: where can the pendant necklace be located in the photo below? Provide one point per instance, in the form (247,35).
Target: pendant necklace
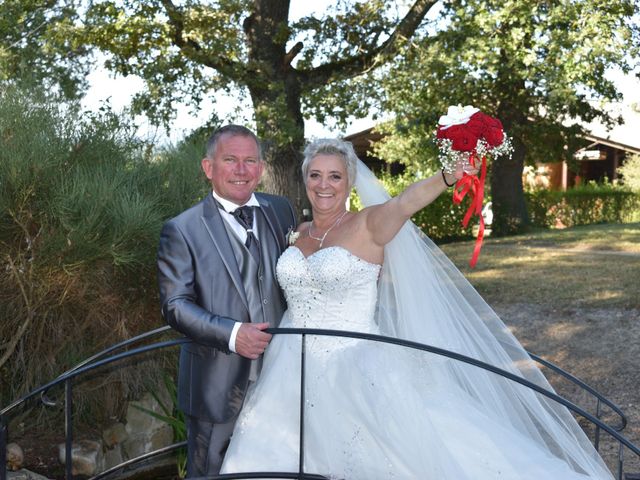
(321,239)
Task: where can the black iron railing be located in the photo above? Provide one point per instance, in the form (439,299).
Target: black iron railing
(104,358)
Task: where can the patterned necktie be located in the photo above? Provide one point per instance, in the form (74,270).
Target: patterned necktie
(244,216)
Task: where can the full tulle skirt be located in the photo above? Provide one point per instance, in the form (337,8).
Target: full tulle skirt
(376,411)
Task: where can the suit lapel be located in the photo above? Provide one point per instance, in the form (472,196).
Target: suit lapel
(272,220)
(214,224)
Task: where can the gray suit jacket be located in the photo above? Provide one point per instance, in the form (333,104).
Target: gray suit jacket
(202,295)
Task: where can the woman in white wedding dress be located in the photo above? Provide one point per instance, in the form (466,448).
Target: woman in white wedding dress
(378,411)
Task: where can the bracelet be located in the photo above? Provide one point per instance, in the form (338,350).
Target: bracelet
(444,178)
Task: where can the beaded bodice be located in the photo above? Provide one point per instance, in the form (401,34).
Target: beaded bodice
(330,289)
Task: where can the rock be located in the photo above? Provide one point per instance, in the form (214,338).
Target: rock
(15,456)
(147,441)
(25,475)
(145,432)
(115,434)
(113,457)
(139,420)
(86,457)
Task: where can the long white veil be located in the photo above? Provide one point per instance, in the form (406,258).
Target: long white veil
(424,298)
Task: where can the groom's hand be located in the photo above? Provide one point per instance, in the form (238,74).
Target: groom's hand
(251,340)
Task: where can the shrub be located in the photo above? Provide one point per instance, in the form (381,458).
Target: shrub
(583,205)
(82,202)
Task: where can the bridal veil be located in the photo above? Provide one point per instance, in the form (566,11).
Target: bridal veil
(424,298)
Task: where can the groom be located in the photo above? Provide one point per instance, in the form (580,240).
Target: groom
(216,272)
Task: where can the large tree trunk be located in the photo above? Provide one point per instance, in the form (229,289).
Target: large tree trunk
(276,87)
(507,195)
(280,125)
(275,92)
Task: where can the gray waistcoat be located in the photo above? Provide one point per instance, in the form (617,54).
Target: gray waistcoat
(264,297)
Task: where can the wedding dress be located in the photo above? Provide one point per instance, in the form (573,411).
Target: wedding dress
(381,411)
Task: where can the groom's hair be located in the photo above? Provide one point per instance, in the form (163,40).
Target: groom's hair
(233,131)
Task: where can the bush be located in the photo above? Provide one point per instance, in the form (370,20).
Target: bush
(81,206)
(583,205)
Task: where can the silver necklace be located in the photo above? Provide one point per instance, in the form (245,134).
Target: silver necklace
(321,239)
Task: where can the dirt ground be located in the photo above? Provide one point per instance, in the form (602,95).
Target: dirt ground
(599,346)
(572,297)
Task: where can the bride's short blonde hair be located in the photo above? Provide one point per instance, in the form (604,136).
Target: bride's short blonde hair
(331,146)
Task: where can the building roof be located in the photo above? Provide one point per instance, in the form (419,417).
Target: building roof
(625,136)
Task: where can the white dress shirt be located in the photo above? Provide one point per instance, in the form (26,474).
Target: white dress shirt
(240,231)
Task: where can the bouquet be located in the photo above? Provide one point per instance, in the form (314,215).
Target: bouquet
(466,137)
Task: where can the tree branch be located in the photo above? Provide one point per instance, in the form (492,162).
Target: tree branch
(11,344)
(291,54)
(193,50)
(359,64)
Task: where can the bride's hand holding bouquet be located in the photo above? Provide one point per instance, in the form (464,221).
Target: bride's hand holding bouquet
(466,138)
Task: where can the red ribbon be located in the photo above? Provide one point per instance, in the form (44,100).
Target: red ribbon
(474,186)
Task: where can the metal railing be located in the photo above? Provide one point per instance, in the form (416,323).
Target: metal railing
(102,358)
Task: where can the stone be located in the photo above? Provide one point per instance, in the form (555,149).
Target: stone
(146,433)
(86,457)
(139,420)
(115,434)
(145,442)
(25,474)
(15,457)
(113,457)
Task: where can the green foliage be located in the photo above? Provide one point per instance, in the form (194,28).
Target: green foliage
(38,45)
(630,172)
(583,205)
(81,206)
(538,66)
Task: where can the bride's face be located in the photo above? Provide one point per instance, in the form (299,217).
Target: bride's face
(327,183)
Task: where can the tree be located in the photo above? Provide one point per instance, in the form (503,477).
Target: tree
(37,45)
(538,66)
(630,172)
(289,69)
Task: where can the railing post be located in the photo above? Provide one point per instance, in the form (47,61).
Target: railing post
(620,460)
(302,401)
(4,439)
(596,441)
(68,429)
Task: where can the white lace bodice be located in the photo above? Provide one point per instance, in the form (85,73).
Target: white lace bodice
(330,289)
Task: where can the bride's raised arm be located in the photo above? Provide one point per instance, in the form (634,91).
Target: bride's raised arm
(384,221)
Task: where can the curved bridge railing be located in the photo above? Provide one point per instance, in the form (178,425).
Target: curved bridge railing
(108,356)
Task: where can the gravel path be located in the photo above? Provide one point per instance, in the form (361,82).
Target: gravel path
(599,346)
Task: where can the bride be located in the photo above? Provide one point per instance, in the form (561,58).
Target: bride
(378,411)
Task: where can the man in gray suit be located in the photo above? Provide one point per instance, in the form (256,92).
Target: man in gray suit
(216,271)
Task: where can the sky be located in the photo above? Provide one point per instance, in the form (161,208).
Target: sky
(119,91)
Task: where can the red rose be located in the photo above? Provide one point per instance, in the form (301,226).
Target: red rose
(494,136)
(441,133)
(476,125)
(462,138)
(491,128)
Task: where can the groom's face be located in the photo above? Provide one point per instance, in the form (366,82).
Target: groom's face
(235,169)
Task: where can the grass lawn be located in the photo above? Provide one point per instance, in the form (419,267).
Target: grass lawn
(590,266)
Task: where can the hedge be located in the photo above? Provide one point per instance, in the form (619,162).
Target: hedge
(584,205)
